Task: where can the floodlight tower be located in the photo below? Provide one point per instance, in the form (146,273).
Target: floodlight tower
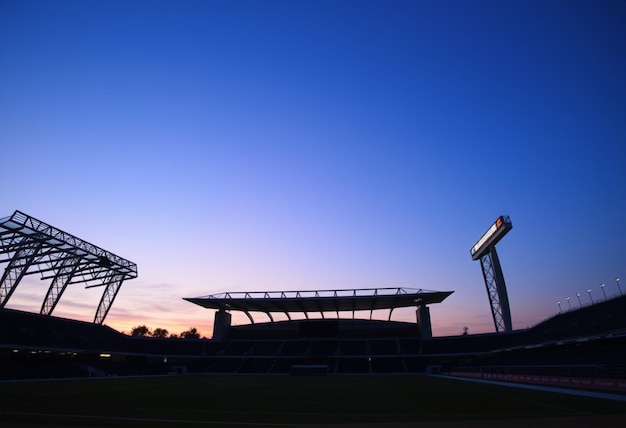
(485,250)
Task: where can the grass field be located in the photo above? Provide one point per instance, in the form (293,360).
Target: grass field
(284,401)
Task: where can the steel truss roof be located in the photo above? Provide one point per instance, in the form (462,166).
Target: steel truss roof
(347,300)
(30,246)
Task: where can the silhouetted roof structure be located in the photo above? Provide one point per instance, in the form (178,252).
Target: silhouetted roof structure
(348,300)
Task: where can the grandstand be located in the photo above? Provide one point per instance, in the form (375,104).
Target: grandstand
(586,343)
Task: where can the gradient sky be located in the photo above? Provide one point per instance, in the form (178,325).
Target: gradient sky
(300,145)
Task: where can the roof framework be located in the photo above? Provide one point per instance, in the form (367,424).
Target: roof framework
(306,302)
(30,246)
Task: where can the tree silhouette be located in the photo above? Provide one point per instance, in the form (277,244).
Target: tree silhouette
(140,330)
(192,333)
(160,332)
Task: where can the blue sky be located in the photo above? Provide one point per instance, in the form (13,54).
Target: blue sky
(297,145)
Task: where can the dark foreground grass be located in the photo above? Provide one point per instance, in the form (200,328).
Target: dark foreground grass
(270,401)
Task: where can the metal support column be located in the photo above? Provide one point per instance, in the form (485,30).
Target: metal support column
(496,290)
(17,267)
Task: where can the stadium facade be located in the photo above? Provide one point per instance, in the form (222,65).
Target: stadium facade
(580,347)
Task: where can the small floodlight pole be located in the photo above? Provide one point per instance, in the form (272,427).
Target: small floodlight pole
(559,303)
(578,297)
(568,302)
(618,287)
(603,292)
(589,291)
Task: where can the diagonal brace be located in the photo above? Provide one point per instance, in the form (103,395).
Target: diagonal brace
(110,292)
(61,279)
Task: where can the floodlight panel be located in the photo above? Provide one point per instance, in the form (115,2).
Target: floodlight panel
(491,237)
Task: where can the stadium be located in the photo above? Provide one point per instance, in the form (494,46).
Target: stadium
(323,364)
